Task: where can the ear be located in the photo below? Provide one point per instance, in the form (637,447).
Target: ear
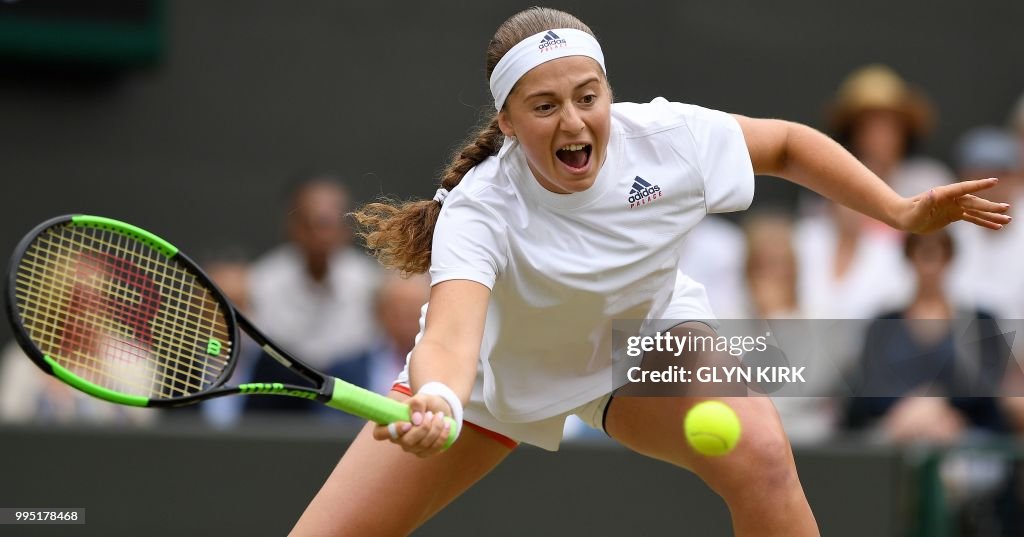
(505,124)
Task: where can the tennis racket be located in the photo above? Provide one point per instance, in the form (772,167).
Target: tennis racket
(120,314)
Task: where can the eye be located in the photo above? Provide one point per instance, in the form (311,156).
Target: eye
(589,99)
(544,108)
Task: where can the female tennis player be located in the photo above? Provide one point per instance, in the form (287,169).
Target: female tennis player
(565,212)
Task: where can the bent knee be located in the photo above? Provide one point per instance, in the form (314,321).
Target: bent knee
(762,461)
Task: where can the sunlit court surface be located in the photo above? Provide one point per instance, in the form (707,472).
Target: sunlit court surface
(196,293)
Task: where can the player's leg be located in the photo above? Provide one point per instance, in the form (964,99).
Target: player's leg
(758,480)
(379,490)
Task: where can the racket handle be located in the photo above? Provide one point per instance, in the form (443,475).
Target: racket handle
(376,407)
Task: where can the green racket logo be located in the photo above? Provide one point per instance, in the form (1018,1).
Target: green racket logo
(213,347)
(274,388)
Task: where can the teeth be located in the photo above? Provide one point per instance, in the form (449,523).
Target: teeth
(573,147)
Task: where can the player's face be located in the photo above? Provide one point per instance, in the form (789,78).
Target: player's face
(560,112)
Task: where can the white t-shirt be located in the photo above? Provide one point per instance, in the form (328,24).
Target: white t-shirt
(322,323)
(878,278)
(988,267)
(561,267)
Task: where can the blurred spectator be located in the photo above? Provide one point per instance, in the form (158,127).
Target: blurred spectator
(974,277)
(916,351)
(987,151)
(771,268)
(713,255)
(771,281)
(27,395)
(882,121)
(314,295)
(398,305)
(231,275)
(847,270)
(923,370)
(1017,124)
(851,266)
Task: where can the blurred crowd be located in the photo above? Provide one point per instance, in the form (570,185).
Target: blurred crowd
(322,298)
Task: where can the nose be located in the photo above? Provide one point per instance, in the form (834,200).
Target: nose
(571,120)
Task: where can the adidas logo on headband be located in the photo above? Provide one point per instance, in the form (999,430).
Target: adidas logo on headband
(551,41)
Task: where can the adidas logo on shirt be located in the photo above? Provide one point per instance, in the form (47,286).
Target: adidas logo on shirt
(643,192)
(551,41)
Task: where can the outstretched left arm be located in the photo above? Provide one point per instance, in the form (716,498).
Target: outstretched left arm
(811,159)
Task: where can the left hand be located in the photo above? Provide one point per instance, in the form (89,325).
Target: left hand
(946,204)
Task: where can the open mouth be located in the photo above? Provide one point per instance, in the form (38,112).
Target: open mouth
(575,156)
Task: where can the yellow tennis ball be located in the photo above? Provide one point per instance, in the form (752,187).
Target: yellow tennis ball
(712,428)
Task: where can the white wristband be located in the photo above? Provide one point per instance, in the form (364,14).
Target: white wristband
(442,390)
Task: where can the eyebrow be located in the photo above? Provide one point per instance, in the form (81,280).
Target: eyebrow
(542,93)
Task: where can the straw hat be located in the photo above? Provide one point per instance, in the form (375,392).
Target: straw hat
(877,87)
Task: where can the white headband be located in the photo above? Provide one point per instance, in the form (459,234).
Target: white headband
(537,49)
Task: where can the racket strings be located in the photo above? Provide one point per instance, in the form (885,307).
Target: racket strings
(119,314)
(85,364)
(79,339)
(117,349)
(86,312)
